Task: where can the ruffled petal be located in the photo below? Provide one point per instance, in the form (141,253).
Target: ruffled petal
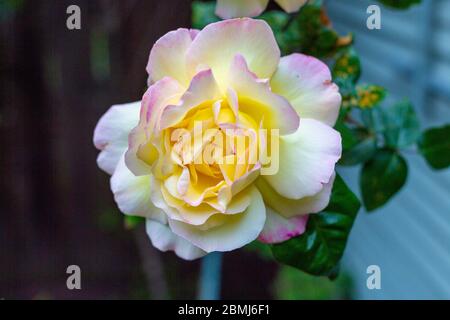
(141,153)
(217,44)
(257,100)
(203,88)
(233,232)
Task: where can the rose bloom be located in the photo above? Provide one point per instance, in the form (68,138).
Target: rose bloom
(227,9)
(225,80)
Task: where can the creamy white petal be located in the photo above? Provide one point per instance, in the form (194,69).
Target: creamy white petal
(111,133)
(306,160)
(132,194)
(236,231)
(164,239)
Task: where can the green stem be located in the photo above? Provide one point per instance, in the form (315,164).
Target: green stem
(210,277)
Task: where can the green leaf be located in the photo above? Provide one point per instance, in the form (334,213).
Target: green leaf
(307,32)
(400,4)
(347,68)
(318,250)
(400,125)
(434,145)
(382,177)
(362,149)
(203,13)
(132,222)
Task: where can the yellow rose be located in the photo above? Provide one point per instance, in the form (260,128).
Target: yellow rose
(230,143)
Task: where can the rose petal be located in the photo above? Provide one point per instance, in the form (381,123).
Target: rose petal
(306,160)
(235,232)
(257,100)
(217,44)
(306,83)
(290,208)
(227,9)
(203,88)
(291,6)
(141,153)
(111,133)
(278,228)
(168,56)
(132,194)
(164,239)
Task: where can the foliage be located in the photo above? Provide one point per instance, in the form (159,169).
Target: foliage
(434,145)
(131,222)
(318,250)
(308,32)
(399,4)
(382,176)
(292,284)
(203,14)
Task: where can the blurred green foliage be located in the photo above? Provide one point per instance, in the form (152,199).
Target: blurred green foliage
(292,284)
(100,55)
(131,222)
(400,4)
(109,220)
(203,13)
(9,7)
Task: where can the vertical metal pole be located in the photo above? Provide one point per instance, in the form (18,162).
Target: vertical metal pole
(210,277)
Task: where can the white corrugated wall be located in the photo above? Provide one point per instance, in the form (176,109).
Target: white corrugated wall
(410,237)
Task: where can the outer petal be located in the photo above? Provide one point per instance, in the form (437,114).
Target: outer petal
(236,231)
(227,9)
(168,56)
(141,153)
(257,100)
(307,159)
(165,240)
(132,194)
(278,229)
(217,44)
(306,82)
(290,208)
(111,133)
(291,5)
